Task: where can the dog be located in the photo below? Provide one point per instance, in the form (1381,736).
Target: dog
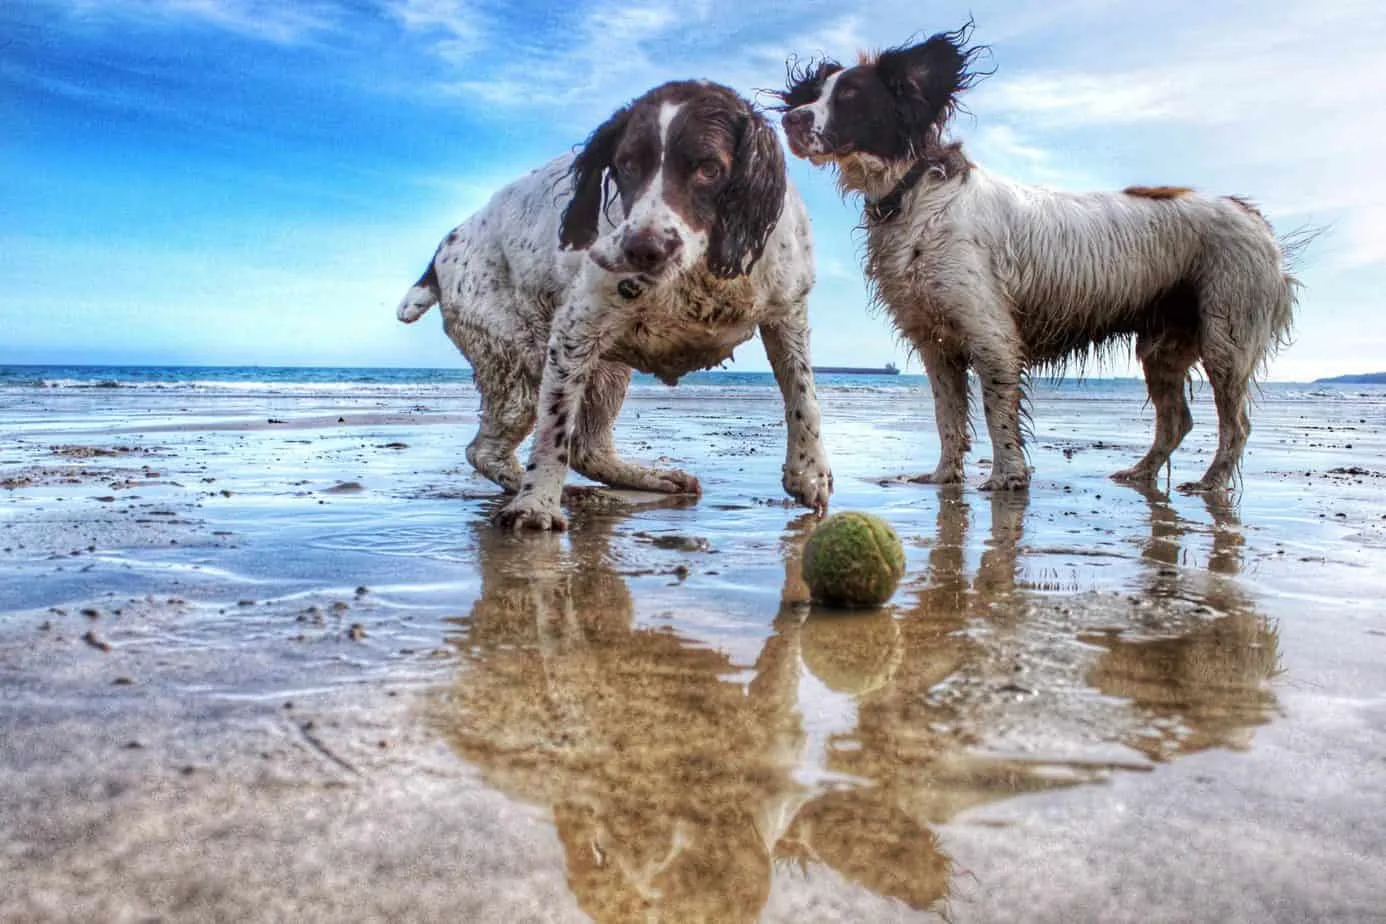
(977,271)
(555,290)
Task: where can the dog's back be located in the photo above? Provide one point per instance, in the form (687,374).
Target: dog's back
(1078,269)
(505,258)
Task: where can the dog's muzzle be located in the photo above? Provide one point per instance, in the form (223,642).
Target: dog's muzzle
(650,252)
(798,131)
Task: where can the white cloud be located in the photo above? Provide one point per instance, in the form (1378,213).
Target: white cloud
(457,27)
(263,20)
(1068,99)
(607,59)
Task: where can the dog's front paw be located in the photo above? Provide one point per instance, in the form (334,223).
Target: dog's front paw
(675,481)
(530,511)
(1007,481)
(941,475)
(811,484)
(1218,478)
(1136,474)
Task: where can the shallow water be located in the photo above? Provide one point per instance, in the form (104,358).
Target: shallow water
(350,695)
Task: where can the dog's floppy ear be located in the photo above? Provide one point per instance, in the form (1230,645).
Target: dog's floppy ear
(926,78)
(579,226)
(749,205)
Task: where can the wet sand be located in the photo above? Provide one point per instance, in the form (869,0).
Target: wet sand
(274,671)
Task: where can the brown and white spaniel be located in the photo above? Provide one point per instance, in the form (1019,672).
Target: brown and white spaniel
(980,272)
(556,290)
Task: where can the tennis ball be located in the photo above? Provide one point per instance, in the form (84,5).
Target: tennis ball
(853,559)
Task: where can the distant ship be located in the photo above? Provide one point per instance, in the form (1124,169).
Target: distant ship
(887,369)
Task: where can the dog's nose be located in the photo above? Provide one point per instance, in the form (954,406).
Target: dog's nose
(797,120)
(649,252)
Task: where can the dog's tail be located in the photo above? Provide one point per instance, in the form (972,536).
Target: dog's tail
(1292,248)
(422,296)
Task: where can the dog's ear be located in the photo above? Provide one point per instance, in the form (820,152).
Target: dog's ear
(750,204)
(579,225)
(926,78)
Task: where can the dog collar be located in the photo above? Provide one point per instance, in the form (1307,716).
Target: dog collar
(888,206)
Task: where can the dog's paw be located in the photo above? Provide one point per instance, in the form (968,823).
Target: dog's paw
(675,481)
(810,484)
(1007,481)
(939,476)
(529,511)
(1218,479)
(1136,474)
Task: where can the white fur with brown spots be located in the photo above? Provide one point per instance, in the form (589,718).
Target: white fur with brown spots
(692,258)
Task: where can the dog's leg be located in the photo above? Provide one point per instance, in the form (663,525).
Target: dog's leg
(947,373)
(807,476)
(1230,387)
(1166,365)
(507,416)
(996,572)
(576,340)
(999,366)
(594,451)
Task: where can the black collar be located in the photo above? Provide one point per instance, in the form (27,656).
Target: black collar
(886,208)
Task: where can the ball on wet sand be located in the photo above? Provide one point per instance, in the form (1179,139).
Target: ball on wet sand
(853,560)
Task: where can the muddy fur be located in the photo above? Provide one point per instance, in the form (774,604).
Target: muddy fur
(983,274)
(620,258)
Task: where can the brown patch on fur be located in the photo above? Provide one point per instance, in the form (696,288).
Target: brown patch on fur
(1157,192)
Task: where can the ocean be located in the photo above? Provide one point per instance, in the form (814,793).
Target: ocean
(368,382)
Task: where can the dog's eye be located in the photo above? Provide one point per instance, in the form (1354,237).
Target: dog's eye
(846,93)
(709,171)
(625,166)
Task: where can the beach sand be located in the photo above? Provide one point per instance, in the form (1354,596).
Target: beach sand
(261,671)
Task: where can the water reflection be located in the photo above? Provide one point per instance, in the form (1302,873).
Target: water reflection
(1203,687)
(680,782)
(661,775)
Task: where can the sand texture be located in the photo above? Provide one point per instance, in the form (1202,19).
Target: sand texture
(258,671)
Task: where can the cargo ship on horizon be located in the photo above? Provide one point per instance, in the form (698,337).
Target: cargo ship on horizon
(887,369)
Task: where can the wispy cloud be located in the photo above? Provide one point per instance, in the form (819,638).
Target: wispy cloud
(271,21)
(611,53)
(1064,100)
(1003,149)
(454,29)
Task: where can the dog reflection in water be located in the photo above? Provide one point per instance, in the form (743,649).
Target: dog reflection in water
(678,779)
(1203,687)
(673,787)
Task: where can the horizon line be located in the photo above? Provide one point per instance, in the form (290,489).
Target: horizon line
(903,372)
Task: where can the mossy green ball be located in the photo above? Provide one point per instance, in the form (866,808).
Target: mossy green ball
(853,560)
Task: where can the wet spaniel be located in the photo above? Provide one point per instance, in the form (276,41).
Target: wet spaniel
(556,290)
(980,272)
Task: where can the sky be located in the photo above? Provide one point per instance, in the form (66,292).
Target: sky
(257,182)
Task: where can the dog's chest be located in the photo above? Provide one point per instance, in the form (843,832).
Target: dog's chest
(906,265)
(693,326)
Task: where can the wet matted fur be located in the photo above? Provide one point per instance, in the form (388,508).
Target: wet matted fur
(981,272)
(555,291)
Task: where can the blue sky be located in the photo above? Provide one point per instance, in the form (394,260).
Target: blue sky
(252,182)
